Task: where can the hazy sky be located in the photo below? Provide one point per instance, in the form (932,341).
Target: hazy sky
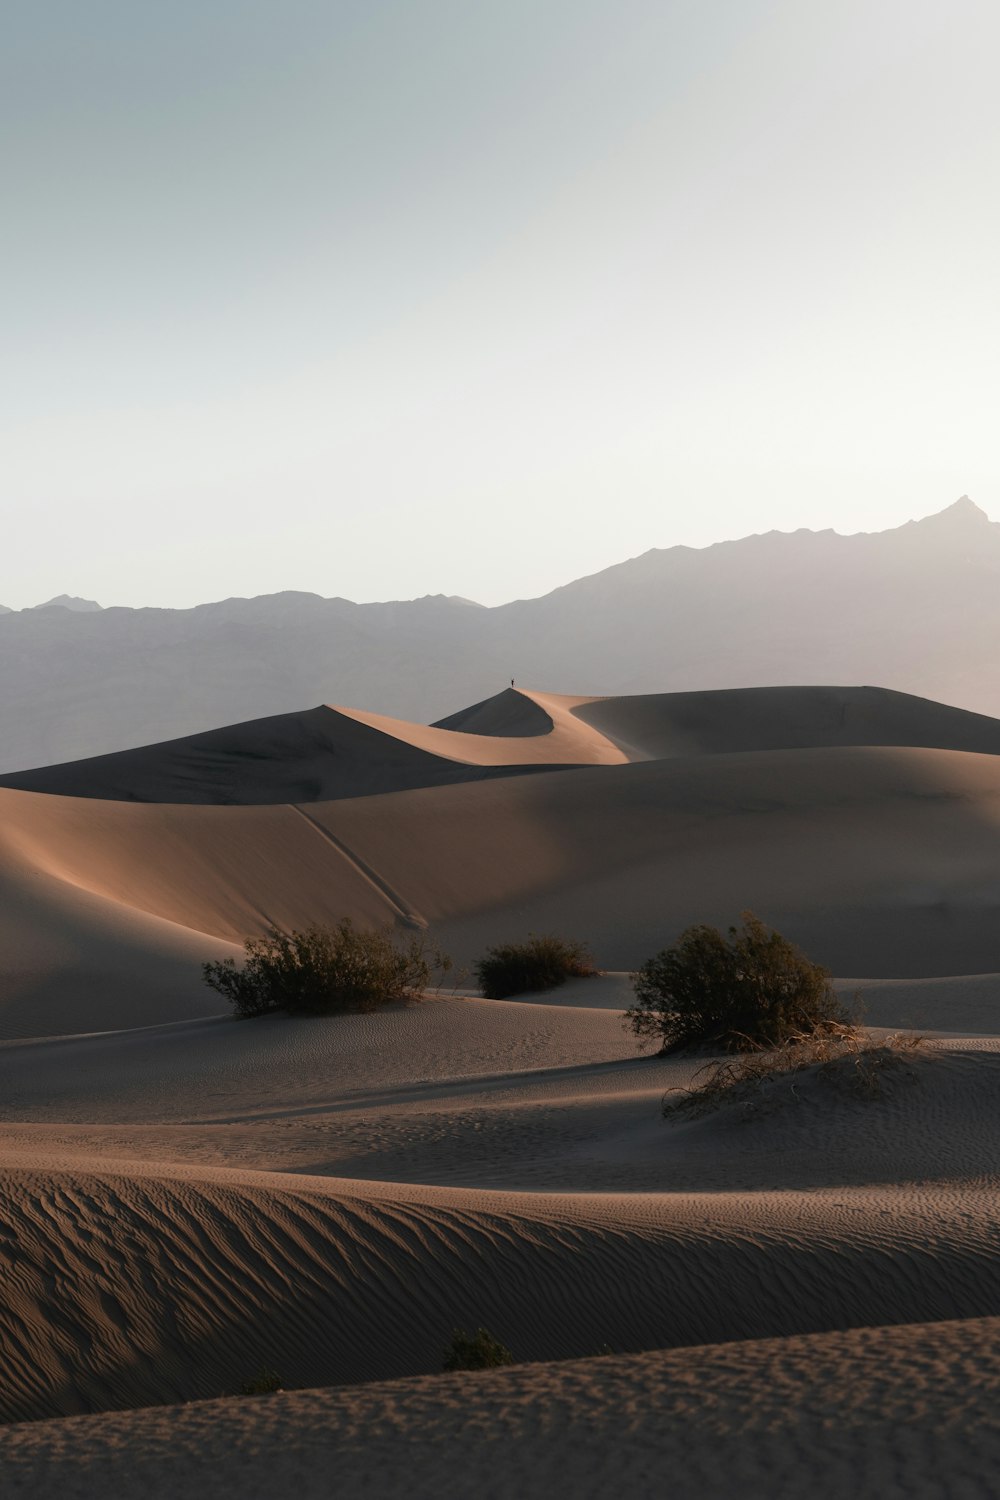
(379,299)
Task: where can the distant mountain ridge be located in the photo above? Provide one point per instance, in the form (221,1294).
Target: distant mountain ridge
(915,609)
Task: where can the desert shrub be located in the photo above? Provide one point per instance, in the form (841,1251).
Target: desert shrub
(324,970)
(841,1057)
(264,1384)
(751,989)
(541,963)
(480,1351)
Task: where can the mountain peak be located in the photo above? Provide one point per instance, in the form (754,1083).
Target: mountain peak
(963,511)
(69,601)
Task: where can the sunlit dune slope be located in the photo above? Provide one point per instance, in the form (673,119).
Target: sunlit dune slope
(73,960)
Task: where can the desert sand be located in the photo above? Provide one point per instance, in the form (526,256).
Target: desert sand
(879,858)
(805,1302)
(870,1412)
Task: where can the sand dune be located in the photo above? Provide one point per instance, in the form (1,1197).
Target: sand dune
(185,1198)
(329,752)
(720,722)
(867,1413)
(505,1095)
(73,960)
(881,862)
(144,1269)
(132,1287)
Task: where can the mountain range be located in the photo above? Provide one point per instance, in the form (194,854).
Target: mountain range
(915,608)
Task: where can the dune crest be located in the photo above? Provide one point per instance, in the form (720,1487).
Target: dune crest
(330,753)
(327,753)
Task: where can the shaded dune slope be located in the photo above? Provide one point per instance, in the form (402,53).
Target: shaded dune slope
(218,1069)
(481,1094)
(512,714)
(656,725)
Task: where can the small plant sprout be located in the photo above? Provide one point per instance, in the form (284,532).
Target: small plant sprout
(265,1383)
(477,1351)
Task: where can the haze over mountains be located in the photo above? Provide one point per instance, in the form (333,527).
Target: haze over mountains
(916,609)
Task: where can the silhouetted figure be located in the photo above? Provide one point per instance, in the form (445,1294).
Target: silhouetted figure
(512,682)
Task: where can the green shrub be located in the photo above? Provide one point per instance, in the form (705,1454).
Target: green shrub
(541,963)
(753,989)
(325,970)
(264,1384)
(481,1351)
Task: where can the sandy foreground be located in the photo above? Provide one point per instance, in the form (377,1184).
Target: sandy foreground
(184,1205)
(804,1302)
(871,1412)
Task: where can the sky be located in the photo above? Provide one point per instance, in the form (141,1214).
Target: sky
(381,299)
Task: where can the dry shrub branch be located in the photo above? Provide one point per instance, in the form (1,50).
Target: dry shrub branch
(839,1056)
